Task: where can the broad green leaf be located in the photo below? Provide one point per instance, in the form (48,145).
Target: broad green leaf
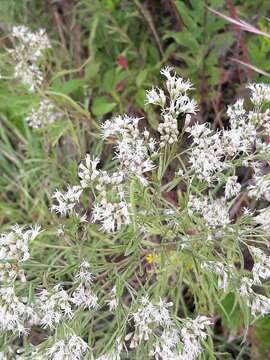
(102,106)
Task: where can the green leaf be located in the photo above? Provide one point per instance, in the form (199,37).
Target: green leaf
(185,39)
(141,77)
(70,86)
(91,70)
(184,13)
(102,106)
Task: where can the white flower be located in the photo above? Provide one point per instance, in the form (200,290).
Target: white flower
(259,304)
(132,148)
(66,201)
(178,103)
(260,93)
(111,215)
(45,114)
(83,296)
(215,213)
(113,302)
(14,245)
(53,306)
(14,314)
(260,188)
(26,54)
(88,172)
(263,218)
(232,187)
(71,348)
(261,267)
(155,97)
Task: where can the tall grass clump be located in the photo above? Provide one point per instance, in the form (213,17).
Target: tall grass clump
(136,256)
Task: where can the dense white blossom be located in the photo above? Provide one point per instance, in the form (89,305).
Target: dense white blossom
(14,245)
(26,54)
(263,219)
(215,212)
(260,93)
(261,267)
(260,187)
(73,347)
(232,187)
(259,304)
(83,295)
(178,102)
(111,215)
(53,306)
(133,148)
(66,201)
(15,314)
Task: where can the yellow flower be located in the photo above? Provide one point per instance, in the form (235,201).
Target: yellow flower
(152,258)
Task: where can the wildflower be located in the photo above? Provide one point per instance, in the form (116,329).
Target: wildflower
(260,93)
(73,347)
(15,244)
(263,218)
(66,201)
(26,54)
(83,296)
(178,103)
(53,306)
(132,149)
(14,313)
(232,187)
(148,315)
(44,115)
(88,172)
(259,304)
(261,267)
(260,188)
(192,333)
(112,215)
(215,213)
(31,45)
(113,302)
(155,97)
(207,155)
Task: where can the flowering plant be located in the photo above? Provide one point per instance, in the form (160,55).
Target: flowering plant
(143,274)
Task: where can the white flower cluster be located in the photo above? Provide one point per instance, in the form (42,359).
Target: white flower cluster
(169,343)
(113,301)
(15,244)
(53,306)
(14,313)
(261,266)
(45,114)
(26,54)
(133,147)
(83,296)
(261,187)
(215,212)
(73,347)
(66,201)
(259,304)
(178,103)
(232,187)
